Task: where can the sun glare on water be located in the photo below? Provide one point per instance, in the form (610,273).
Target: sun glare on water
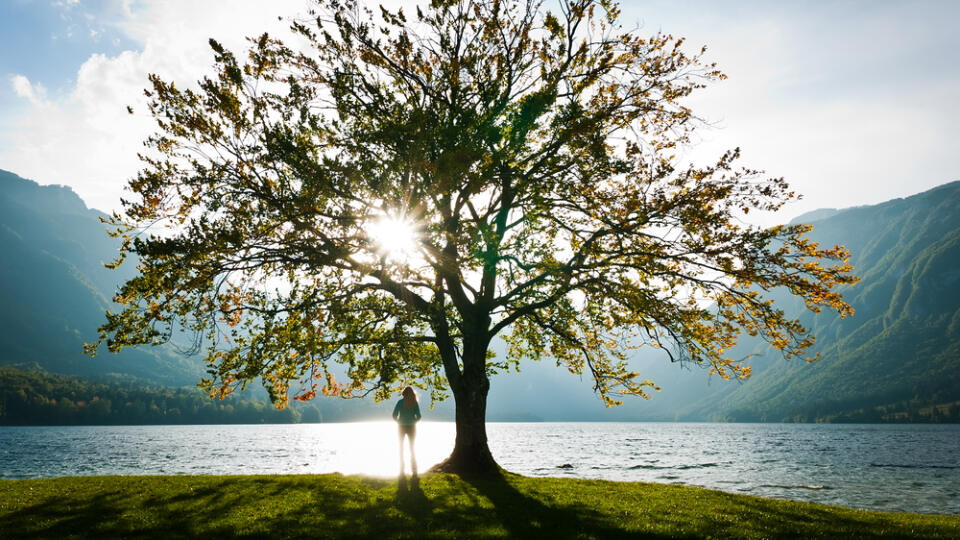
(372,448)
(395,237)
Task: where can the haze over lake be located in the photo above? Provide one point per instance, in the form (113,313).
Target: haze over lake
(911,468)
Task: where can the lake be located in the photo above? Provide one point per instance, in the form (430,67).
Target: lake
(910,468)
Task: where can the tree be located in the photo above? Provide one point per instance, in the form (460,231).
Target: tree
(530,153)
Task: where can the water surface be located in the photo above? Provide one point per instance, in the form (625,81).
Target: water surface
(913,468)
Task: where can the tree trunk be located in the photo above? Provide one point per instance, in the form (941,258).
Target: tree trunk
(471,456)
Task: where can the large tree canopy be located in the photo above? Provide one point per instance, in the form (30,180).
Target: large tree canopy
(530,151)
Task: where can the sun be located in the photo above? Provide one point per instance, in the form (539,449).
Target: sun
(395,237)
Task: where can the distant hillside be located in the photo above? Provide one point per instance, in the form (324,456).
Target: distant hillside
(54,288)
(899,355)
(32,398)
(897,359)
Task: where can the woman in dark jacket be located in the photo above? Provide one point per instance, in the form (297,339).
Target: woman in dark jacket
(407,414)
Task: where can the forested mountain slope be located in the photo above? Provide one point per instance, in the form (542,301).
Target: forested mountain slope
(899,355)
(897,358)
(54,289)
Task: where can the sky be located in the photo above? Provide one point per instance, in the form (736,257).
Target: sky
(853,102)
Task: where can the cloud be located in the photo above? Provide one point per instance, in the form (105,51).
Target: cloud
(86,139)
(852,103)
(852,107)
(23,88)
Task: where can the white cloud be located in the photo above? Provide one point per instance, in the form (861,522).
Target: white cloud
(23,88)
(87,140)
(851,110)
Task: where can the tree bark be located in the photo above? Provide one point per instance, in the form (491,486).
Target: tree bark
(471,455)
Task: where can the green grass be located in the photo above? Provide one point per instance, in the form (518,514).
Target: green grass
(439,506)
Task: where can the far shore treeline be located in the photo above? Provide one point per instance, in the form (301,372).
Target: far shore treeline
(35,398)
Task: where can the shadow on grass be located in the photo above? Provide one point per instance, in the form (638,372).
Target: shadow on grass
(438,506)
(411,499)
(763,518)
(55,518)
(331,506)
(525,516)
(190,507)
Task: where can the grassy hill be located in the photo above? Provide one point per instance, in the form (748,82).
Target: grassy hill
(438,506)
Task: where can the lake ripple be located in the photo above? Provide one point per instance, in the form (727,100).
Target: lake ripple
(910,468)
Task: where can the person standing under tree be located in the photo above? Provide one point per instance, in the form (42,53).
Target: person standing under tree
(407,414)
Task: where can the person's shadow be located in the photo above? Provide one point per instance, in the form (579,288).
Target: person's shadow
(410,498)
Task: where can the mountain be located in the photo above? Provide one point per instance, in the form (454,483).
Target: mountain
(897,358)
(900,351)
(54,289)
